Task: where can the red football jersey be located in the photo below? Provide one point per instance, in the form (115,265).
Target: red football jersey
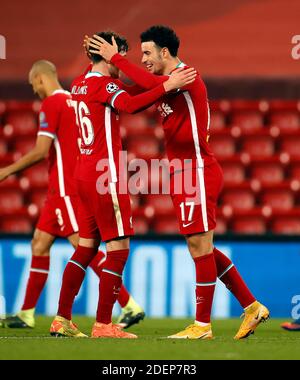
(185,116)
(186,120)
(97,99)
(57,120)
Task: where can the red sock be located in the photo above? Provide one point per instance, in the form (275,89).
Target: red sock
(110,283)
(37,280)
(123,296)
(72,279)
(206,277)
(97,265)
(229,275)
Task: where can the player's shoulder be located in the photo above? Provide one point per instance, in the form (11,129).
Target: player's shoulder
(56,99)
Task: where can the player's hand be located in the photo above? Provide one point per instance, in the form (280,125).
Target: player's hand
(180,78)
(4,173)
(86,45)
(99,45)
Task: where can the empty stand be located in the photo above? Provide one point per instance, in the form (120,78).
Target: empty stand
(20,123)
(291,146)
(252,225)
(258,147)
(144,147)
(24,145)
(37,197)
(11,201)
(222,146)
(37,175)
(256,142)
(239,199)
(140,225)
(166,225)
(268,173)
(278,199)
(16,224)
(234,173)
(286,226)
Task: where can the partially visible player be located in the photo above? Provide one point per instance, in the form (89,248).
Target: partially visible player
(57,137)
(186,121)
(104,210)
(291,326)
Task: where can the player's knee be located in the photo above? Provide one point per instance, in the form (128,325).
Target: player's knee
(38,248)
(199,247)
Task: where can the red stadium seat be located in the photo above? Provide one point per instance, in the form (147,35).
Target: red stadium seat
(166,225)
(295,172)
(10,201)
(286,121)
(10,183)
(134,124)
(286,225)
(268,173)
(239,200)
(143,147)
(3,148)
(37,176)
(162,204)
(16,224)
(258,146)
(37,197)
(249,122)
(221,227)
(278,200)
(249,225)
(291,145)
(140,225)
(284,105)
(234,173)
(222,146)
(24,145)
(23,123)
(217,121)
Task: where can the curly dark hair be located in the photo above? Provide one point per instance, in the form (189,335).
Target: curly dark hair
(107,35)
(162,36)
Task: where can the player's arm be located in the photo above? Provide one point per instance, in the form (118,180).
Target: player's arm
(110,53)
(38,153)
(122,101)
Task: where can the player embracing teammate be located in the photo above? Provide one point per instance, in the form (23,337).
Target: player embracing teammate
(186,128)
(104,212)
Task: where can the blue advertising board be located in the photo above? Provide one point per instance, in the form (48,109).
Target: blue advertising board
(160,275)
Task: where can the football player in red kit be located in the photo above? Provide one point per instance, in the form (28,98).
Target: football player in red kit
(186,121)
(104,210)
(57,138)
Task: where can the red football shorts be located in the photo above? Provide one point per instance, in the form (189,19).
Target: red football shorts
(195,195)
(58,216)
(105,217)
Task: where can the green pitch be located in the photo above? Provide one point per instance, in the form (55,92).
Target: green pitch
(269,342)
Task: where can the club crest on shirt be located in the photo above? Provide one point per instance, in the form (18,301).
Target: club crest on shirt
(111,88)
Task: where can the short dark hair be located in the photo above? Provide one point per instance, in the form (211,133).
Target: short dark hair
(163,36)
(107,35)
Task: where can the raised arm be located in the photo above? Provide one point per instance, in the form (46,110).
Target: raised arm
(122,101)
(110,53)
